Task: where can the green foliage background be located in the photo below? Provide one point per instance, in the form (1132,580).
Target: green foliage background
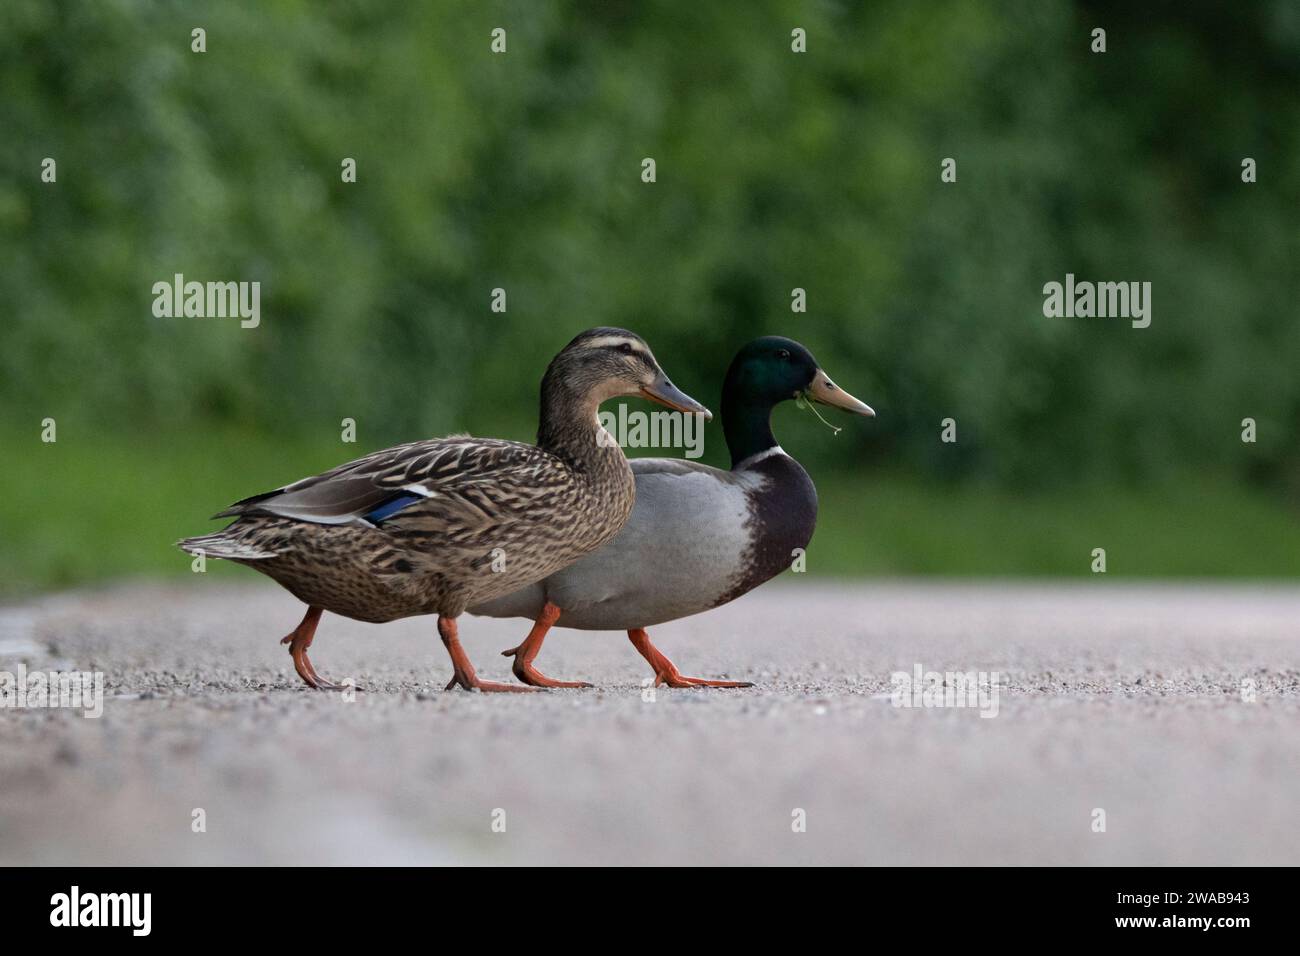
(775,170)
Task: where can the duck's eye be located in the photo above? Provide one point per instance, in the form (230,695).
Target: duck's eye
(783,355)
(625,348)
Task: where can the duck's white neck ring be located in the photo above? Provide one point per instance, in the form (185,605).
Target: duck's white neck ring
(753,460)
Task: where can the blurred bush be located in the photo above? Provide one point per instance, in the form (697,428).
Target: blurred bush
(775,171)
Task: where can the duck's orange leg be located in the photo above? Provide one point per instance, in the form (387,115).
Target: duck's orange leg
(532,645)
(299,639)
(463,671)
(666,672)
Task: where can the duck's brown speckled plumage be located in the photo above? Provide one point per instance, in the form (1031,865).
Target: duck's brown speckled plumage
(502,514)
(490,516)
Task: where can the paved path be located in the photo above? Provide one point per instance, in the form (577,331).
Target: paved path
(1126,699)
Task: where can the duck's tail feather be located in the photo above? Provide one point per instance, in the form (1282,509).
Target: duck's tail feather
(223,544)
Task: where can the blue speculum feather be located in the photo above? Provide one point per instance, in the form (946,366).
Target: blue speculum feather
(391,506)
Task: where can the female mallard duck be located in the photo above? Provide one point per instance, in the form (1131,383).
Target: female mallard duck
(432,527)
(698,537)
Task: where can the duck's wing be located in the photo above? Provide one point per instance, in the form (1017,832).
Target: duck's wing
(463,482)
(678,468)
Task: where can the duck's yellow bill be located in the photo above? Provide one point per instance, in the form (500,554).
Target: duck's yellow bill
(826,392)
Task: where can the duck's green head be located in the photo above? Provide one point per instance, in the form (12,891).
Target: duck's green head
(763,374)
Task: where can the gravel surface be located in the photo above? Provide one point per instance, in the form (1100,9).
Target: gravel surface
(1126,699)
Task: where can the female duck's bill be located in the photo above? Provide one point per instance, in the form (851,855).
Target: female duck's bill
(666,393)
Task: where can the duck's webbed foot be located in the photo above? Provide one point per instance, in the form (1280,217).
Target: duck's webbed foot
(463,674)
(666,672)
(299,639)
(532,646)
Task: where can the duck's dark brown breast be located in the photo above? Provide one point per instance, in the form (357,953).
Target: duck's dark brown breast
(782,517)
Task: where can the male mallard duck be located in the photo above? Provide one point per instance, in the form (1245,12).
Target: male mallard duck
(432,527)
(698,537)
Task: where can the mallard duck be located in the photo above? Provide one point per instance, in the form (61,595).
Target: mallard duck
(432,527)
(698,537)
